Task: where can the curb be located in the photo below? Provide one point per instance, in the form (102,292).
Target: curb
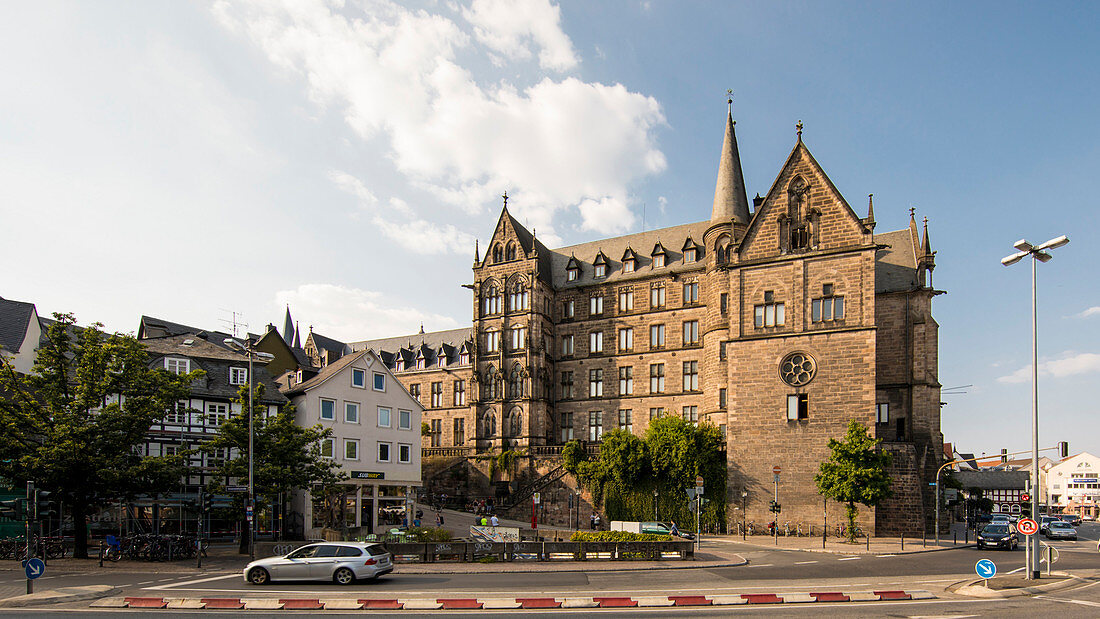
(973,589)
(861,550)
(420,604)
(540,567)
(60,596)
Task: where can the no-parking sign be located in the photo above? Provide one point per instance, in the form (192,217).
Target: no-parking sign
(1027,526)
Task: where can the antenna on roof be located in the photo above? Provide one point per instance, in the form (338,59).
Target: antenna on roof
(643,216)
(235,321)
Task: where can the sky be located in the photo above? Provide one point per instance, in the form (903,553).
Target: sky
(197,161)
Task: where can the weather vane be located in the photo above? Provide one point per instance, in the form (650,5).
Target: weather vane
(798,128)
(505,196)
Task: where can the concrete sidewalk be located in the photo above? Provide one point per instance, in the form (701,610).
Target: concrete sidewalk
(957,538)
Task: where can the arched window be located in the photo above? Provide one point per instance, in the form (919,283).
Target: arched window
(490,300)
(510,254)
(487,424)
(798,214)
(722,249)
(491,384)
(515,382)
(517,297)
(515,422)
(498,253)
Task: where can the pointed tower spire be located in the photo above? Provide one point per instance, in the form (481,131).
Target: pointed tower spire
(477,251)
(288,327)
(297,337)
(926,246)
(870,220)
(730,199)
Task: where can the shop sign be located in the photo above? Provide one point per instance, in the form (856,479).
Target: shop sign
(368,475)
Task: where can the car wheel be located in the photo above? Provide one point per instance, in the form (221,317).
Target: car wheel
(343,576)
(258,576)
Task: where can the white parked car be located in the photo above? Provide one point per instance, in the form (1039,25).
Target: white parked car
(340,562)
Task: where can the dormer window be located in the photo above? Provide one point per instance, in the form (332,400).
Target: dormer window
(464,356)
(400,366)
(238,376)
(660,256)
(600,270)
(630,261)
(572,269)
(177,366)
(441,358)
(420,363)
(628,266)
(691,251)
(572,274)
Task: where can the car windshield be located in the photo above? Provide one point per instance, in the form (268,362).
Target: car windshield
(995,529)
(1059,525)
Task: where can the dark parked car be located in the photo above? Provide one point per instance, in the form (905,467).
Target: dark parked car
(1073,519)
(998,536)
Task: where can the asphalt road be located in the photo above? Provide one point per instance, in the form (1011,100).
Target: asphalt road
(768,570)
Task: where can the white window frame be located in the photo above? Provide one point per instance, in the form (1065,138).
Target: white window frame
(402,416)
(354,443)
(362,374)
(595,342)
(238,376)
(657,297)
(216,414)
(628,265)
(626,339)
(690,254)
(492,341)
(571,275)
(331,443)
(626,300)
(595,305)
(389,451)
(321,410)
(519,338)
(349,407)
(404,453)
(375,386)
(600,270)
(659,261)
(176,365)
(388,417)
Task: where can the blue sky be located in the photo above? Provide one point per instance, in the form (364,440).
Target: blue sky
(185,160)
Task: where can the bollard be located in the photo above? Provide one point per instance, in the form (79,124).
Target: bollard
(903,541)
(823,535)
(966,536)
(924,538)
(868,542)
(954,538)
(101,554)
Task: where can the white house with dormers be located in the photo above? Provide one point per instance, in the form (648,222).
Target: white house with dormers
(375,439)
(1074,485)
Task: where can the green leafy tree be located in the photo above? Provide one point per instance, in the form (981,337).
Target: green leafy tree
(856,472)
(72,425)
(287,456)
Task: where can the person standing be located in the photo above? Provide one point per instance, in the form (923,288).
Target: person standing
(592,521)
(494,521)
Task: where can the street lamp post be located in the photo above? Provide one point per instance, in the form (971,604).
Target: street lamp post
(1038,254)
(251,509)
(655,495)
(744,506)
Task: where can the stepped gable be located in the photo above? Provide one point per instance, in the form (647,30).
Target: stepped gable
(641,243)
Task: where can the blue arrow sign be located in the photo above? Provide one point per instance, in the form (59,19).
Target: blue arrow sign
(35,568)
(985,568)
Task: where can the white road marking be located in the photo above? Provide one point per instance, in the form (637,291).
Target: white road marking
(884,556)
(762,565)
(805,562)
(147,582)
(940,616)
(848,559)
(1019,569)
(195,582)
(1081,602)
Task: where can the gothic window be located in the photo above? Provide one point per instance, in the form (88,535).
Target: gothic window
(515,422)
(510,254)
(517,297)
(722,249)
(515,382)
(491,300)
(498,253)
(487,424)
(492,384)
(797,369)
(795,228)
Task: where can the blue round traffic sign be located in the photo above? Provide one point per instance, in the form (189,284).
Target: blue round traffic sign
(985,568)
(35,568)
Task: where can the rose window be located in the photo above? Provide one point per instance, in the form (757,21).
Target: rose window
(797,369)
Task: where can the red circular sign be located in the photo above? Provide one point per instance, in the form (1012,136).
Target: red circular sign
(1027,526)
(1025,497)
(776,469)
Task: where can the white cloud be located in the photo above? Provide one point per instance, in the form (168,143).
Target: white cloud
(425,237)
(606,214)
(1069,364)
(349,184)
(351,314)
(393,73)
(1090,312)
(504,26)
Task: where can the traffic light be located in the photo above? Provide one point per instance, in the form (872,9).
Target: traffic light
(16,509)
(1063,448)
(44,508)
(207,502)
(774,507)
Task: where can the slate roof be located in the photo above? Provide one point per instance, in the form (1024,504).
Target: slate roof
(15,316)
(216,361)
(174,328)
(896,264)
(407,345)
(992,480)
(327,343)
(642,243)
(326,373)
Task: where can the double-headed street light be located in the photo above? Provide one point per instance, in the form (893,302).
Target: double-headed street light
(1038,253)
(247,349)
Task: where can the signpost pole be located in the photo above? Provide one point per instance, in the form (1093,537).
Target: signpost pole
(30,544)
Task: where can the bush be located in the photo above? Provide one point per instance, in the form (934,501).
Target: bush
(428,534)
(617,536)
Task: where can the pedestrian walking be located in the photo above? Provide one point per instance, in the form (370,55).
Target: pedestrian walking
(494,521)
(438,520)
(674,531)
(592,521)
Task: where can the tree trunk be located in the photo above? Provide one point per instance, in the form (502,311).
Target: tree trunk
(80,530)
(851,512)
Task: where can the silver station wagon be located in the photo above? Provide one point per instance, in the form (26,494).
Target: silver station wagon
(340,562)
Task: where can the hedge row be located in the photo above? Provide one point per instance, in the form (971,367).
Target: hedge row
(617,536)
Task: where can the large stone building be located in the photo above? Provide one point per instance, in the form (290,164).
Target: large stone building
(778,322)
